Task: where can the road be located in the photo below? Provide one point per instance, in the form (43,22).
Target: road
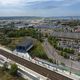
(43,71)
(52,53)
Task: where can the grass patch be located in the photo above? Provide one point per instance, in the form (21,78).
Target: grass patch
(4,75)
(14,42)
(38,51)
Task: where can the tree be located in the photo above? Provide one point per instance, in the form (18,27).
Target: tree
(64,54)
(78,58)
(50,60)
(63,64)
(5,66)
(13,69)
(68,50)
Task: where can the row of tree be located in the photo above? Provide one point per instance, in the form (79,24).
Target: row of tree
(63,51)
(13,33)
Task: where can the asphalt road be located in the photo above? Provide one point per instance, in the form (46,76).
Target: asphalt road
(43,71)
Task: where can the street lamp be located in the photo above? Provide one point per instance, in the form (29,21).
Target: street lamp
(56,64)
(71,65)
(47,77)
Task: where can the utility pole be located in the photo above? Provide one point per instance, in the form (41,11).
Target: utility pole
(56,64)
(71,65)
(47,77)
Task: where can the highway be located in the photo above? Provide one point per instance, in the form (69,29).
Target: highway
(43,71)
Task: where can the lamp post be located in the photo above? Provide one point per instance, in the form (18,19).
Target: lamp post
(47,77)
(56,64)
(70,65)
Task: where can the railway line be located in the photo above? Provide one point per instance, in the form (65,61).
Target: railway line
(43,71)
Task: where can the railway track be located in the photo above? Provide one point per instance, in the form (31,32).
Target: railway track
(43,71)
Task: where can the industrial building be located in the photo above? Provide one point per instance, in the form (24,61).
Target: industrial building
(25,45)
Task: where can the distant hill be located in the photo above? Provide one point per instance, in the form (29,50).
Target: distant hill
(35,17)
(66,17)
(19,17)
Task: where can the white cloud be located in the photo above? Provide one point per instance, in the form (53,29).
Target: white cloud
(11,2)
(6,2)
(23,3)
(24,7)
(16,2)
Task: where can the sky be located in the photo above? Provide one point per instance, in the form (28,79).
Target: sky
(44,8)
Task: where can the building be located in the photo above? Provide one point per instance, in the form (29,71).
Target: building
(19,26)
(72,35)
(25,45)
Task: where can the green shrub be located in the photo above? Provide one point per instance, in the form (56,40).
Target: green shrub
(13,69)
(65,55)
(38,51)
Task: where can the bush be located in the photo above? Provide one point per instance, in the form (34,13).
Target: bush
(50,60)
(78,58)
(5,66)
(71,51)
(5,41)
(65,55)
(13,69)
(17,33)
(38,51)
(53,41)
(63,64)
